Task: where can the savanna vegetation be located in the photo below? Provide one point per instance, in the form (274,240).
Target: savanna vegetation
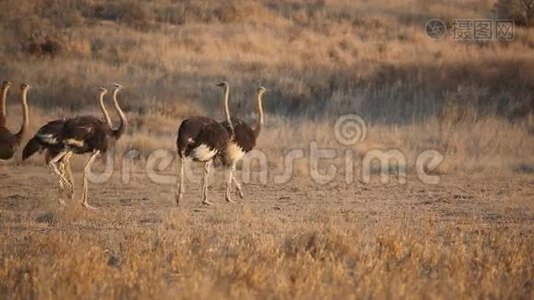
(470,236)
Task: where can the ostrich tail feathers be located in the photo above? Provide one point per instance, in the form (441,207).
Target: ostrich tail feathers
(31,147)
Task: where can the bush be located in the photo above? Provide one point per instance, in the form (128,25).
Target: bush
(520,11)
(44,45)
(135,14)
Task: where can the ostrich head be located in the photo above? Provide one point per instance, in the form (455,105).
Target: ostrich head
(24,86)
(261,90)
(102,91)
(222,84)
(6,84)
(117,86)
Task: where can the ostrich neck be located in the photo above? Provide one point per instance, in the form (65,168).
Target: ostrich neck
(122,127)
(227,110)
(104,110)
(260,116)
(25,116)
(3,106)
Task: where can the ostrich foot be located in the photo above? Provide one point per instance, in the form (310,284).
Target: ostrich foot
(206,202)
(228,199)
(87,206)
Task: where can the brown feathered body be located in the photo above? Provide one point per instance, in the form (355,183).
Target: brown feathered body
(10,142)
(201,138)
(242,142)
(79,135)
(48,139)
(242,136)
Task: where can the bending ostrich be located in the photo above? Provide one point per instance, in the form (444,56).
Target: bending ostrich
(201,139)
(10,142)
(242,141)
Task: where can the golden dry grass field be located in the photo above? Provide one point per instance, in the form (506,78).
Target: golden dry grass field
(297,234)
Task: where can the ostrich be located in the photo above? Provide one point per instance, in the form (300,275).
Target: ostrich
(87,134)
(10,142)
(80,135)
(48,139)
(201,139)
(243,140)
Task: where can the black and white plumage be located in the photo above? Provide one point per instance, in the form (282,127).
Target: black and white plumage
(47,139)
(80,135)
(10,141)
(86,134)
(243,140)
(200,139)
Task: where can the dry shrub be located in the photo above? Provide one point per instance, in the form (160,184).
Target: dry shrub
(240,11)
(139,15)
(57,13)
(519,11)
(235,11)
(64,13)
(323,245)
(44,45)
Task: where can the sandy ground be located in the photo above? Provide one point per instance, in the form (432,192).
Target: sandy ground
(31,190)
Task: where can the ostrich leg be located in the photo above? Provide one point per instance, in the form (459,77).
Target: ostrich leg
(62,186)
(239,192)
(86,170)
(53,165)
(69,176)
(207,167)
(229,179)
(180,181)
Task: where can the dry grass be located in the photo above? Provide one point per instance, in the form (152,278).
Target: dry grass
(472,102)
(469,237)
(217,256)
(320,60)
